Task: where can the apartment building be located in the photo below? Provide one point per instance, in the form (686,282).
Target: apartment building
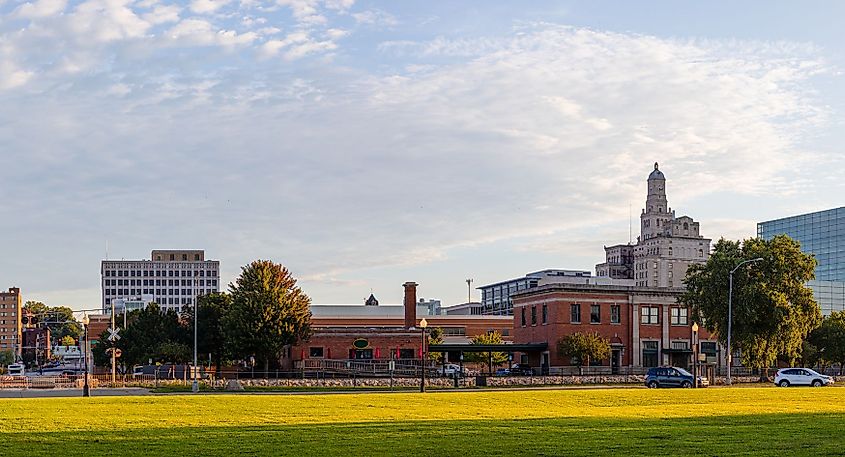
(10,320)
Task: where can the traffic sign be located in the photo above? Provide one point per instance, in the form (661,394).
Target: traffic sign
(113,334)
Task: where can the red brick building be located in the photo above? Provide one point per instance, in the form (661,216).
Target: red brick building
(382,338)
(646,326)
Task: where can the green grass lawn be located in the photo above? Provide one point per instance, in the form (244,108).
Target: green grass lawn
(705,422)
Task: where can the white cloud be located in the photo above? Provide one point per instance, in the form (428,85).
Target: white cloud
(11,76)
(207,6)
(513,141)
(306,12)
(162,14)
(376,17)
(202,32)
(41,8)
(106,20)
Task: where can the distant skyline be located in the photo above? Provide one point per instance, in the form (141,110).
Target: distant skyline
(363,144)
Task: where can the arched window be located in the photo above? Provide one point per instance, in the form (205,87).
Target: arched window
(701,253)
(670,251)
(686,226)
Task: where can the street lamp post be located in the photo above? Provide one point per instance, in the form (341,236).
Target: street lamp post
(195,387)
(695,354)
(423,325)
(730,312)
(85,322)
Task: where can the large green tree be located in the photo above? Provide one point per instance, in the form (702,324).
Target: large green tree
(268,312)
(59,319)
(773,309)
(151,333)
(212,335)
(583,347)
(829,341)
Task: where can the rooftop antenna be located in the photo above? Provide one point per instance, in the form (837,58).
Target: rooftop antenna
(107,249)
(469,290)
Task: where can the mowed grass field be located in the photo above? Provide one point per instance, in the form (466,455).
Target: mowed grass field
(618,422)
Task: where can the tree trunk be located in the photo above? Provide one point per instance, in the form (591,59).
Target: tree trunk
(266,365)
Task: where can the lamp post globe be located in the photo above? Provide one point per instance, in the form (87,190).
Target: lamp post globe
(695,354)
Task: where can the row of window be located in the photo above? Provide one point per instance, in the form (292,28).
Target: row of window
(574,314)
(157,273)
(157,282)
(165,301)
(648,314)
(159,292)
(318,352)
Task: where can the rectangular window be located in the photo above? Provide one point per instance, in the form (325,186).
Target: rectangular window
(649,315)
(406,353)
(615,311)
(708,347)
(315,352)
(595,314)
(533,315)
(679,316)
(575,313)
(545,314)
(522,313)
(650,353)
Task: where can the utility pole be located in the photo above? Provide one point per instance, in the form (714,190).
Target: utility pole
(195,385)
(469,290)
(113,355)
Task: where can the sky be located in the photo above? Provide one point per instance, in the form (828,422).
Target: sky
(363,144)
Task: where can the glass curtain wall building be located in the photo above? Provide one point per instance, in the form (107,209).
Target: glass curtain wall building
(823,235)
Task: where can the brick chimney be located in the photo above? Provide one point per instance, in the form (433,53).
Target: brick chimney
(410,304)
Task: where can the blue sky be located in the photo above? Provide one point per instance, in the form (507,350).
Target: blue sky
(364,144)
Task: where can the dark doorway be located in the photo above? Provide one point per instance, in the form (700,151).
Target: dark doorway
(615,358)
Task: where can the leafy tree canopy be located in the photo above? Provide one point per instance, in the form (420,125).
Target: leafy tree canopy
(773,309)
(268,312)
(435,336)
(7,357)
(59,319)
(584,347)
(828,340)
(212,336)
(493,337)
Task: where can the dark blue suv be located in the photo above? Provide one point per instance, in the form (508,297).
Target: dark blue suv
(670,377)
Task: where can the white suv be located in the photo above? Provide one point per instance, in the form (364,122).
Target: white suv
(801,377)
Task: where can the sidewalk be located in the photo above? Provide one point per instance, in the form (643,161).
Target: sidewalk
(48,393)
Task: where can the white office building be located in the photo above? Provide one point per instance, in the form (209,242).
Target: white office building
(171,278)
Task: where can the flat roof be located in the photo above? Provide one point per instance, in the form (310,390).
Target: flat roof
(801,215)
(469,347)
(600,288)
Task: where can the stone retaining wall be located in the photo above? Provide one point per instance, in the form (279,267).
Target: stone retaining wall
(495,381)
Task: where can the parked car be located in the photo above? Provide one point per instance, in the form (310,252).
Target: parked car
(502,372)
(801,377)
(521,369)
(16,369)
(672,377)
(451,370)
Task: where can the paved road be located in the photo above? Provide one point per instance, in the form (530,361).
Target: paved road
(46,393)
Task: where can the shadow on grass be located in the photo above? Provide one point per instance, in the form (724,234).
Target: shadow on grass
(769,434)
